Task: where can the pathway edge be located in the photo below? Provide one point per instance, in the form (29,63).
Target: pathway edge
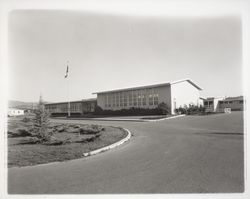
(94,152)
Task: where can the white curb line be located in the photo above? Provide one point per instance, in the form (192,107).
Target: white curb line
(167,118)
(110,146)
(123,119)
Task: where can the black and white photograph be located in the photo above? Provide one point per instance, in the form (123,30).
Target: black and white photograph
(124,98)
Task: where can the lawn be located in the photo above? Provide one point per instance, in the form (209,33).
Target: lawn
(77,139)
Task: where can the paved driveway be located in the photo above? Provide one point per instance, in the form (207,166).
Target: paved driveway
(184,155)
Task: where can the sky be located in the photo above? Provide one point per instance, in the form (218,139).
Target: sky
(109,51)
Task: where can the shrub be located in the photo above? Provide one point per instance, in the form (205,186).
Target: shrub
(88,131)
(191,110)
(133,111)
(41,123)
(61,129)
(23,132)
(73,130)
(163,108)
(89,139)
(98,110)
(25,119)
(19,133)
(181,110)
(32,140)
(57,142)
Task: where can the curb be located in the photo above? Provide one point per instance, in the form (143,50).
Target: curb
(123,120)
(110,146)
(167,118)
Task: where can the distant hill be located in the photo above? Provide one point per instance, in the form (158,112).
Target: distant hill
(22,105)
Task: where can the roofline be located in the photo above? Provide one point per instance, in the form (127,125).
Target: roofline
(150,86)
(188,80)
(83,100)
(89,99)
(218,97)
(234,98)
(133,88)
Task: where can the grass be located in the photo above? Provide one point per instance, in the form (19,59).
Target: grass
(32,154)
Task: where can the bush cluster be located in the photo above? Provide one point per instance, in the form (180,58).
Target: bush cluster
(162,109)
(191,110)
(65,114)
(20,132)
(72,128)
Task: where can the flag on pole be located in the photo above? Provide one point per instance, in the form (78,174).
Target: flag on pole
(67,72)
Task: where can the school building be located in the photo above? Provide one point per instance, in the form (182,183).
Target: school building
(174,94)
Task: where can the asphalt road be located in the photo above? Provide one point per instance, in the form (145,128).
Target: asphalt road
(192,154)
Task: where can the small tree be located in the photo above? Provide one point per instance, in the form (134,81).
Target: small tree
(163,107)
(41,122)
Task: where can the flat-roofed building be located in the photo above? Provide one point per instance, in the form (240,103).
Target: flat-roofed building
(174,94)
(234,103)
(211,104)
(79,107)
(220,104)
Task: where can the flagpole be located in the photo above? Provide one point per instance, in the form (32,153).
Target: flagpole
(67,84)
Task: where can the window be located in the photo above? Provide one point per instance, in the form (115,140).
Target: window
(150,100)
(130,99)
(117,99)
(211,103)
(230,102)
(113,100)
(109,100)
(125,102)
(139,100)
(144,100)
(156,100)
(134,98)
(206,103)
(106,100)
(241,101)
(121,99)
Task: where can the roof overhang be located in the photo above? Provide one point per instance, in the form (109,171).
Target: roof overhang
(133,88)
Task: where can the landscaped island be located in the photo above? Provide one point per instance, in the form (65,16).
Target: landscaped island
(68,141)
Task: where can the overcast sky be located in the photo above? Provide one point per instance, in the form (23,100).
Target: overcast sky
(111,51)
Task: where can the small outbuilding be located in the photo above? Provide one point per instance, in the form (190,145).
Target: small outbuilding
(15,112)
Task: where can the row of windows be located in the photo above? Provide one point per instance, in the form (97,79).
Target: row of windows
(74,107)
(231,102)
(210,103)
(131,98)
